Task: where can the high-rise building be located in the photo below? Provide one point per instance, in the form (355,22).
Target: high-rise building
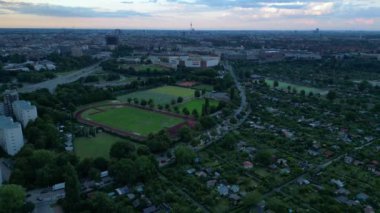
(11,138)
(1,177)
(2,108)
(76,52)
(10,96)
(24,112)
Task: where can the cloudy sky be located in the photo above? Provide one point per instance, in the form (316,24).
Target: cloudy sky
(204,14)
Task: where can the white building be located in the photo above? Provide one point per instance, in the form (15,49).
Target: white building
(187,61)
(24,112)
(11,138)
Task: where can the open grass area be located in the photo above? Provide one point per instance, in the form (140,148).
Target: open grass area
(161,95)
(93,147)
(151,67)
(147,67)
(206,87)
(197,104)
(284,86)
(134,120)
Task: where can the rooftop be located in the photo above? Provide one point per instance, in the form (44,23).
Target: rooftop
(26,105)
(7,123)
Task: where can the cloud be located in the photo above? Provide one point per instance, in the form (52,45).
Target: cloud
(362,21)
(63,11)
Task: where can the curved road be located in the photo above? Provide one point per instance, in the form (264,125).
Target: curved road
(53,83)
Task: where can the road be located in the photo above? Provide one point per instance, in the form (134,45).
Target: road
(241,89)
(225,127)
(65,79)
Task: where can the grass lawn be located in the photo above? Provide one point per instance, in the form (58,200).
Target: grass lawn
(206,87)
(93,147)
(138,121)
(284,86)
(161,95)
(151,67)
(197,104)
(261,172)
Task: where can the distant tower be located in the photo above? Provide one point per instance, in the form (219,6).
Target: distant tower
(191,27)
(113,39)
(10,96)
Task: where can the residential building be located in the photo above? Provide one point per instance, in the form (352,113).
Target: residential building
(76,52)
(10,96)
(1,177)
(24,112)
(2,108)
(11,138)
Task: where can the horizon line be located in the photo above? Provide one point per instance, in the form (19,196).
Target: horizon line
(196,30)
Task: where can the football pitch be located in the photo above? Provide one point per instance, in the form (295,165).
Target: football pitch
(197,104)
(133,120)
(161,95)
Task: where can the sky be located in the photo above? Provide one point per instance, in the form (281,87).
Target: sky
(203,14)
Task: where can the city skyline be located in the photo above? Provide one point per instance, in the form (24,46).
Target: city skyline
(205,15)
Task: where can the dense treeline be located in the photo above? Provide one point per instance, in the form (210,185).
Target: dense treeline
(316,73)
(68,63)
(114,66)
(68,96)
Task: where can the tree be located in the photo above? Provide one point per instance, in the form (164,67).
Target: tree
(143,150)
(252,199)
(179,100)
(143,102)
(264,156)
(232,93)
(151,103)
(184,155)
(303,93)
(185,111)
(195,113)
(136,101)
(12,198)
(122,150)
(72,188)
(275,84)
(146,168)
(228,142)
(102,203)
(207,122)
(124,171)
(129,100)
(197,94)
(185,134)
(331,95)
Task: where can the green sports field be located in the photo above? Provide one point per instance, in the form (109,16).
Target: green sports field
(197,104)
(284,86)
(133,120)
(93,147)
(161,95)
(206,87)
